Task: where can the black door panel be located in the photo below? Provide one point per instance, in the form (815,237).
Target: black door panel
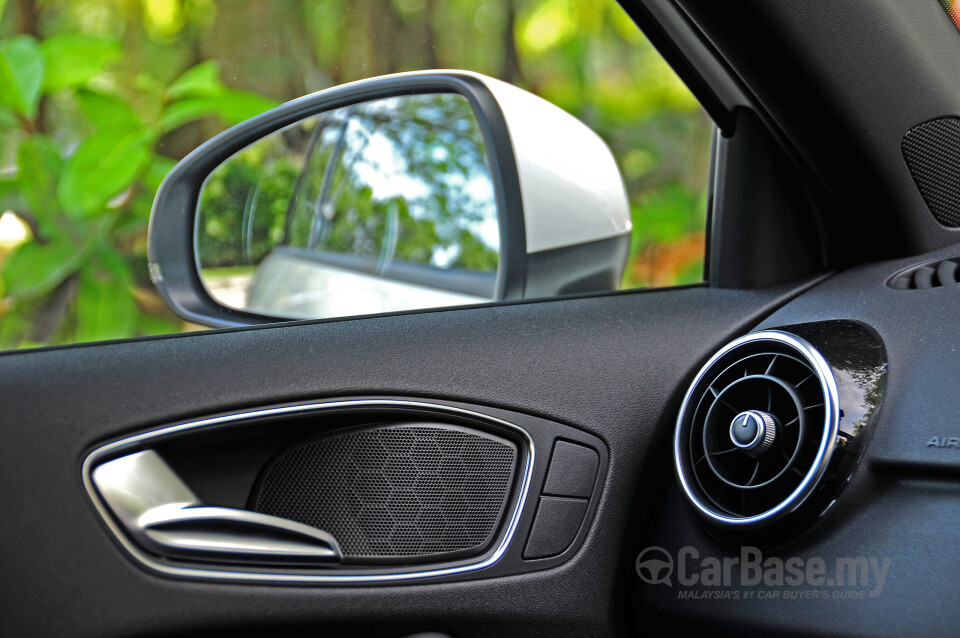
(612,366)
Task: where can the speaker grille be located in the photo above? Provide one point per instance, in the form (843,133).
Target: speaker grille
(395,492)
(932,152)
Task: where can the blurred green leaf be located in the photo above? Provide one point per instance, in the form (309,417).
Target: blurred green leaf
(7,119)
(240,105)
(38,168)
(157,171)
(21,74)
(72,59)
(13,327)
(36,269)
(666,214)
(152,325)
(103,166)
(106,308)
(149,84)
(203,80)
(141,206)
(232,107)
(7,188)
(107,111)
(690,274)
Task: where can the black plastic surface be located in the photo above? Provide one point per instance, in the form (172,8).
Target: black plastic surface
(843,82)
(555,526)
(909,526)
(613,366)
(692,57)
(595,266)
(764,227)
(573,470)
(902,502)
(922,337)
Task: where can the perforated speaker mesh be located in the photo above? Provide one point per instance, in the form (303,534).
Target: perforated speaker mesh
(932,152)
(395,492)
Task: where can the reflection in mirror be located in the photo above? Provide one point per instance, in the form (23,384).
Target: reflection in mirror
(381,206)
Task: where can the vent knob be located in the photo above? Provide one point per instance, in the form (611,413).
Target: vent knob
(753,432)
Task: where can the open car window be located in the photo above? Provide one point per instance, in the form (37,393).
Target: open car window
(102,99)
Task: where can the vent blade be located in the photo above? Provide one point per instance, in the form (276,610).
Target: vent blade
(926,276)
(923,277)
(947,273)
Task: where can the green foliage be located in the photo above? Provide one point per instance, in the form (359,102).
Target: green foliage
(21,75)
(667,214)
(36,269)
(202,80)
(105,111)
(105,307)
(103,166)
(73,59)
(40,166)
(85,187)
(232,107)
(99,98)
(199,93)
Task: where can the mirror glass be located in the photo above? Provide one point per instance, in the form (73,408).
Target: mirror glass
(382,206)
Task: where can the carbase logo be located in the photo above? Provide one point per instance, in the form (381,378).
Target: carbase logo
(655,566)
(864,576)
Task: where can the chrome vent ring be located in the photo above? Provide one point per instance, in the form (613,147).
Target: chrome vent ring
(757,429)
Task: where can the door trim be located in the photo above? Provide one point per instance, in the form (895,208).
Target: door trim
(101,453)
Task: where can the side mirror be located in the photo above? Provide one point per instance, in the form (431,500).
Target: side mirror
(409,191)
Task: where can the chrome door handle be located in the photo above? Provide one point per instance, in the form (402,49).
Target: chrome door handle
(166,518)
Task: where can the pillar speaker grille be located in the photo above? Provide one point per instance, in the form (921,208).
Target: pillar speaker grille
(932,153)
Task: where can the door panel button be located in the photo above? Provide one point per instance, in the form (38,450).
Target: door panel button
(555,526)
(573,470)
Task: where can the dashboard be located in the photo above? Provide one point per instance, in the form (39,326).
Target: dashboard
(872,550)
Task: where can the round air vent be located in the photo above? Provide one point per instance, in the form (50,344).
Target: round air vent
(756,429)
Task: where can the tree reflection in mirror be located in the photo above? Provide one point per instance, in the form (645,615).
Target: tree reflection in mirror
(382,206)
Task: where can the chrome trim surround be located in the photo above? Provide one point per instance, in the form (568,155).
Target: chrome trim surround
(93,459)
(827,442)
